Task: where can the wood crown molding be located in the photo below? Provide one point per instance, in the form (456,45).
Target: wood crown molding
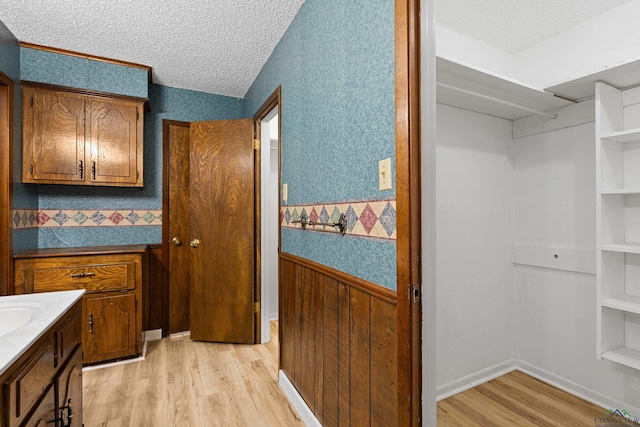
(370,288)
(88,92)
(85,56)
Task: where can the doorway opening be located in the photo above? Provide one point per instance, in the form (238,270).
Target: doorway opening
(269,156)
(268,121)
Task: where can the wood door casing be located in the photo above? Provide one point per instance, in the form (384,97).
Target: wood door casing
(54,125)
(6,170)
(111,326)
(179,274)
(222,212)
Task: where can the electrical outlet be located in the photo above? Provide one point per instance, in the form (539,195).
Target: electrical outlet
(384,174)
(285,192)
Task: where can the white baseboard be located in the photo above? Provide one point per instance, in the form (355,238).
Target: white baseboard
(576,389)
(296,400)
(474,379)
(153,335)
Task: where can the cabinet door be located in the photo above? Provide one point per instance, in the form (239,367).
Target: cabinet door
(45,412)
(69,391)
(116,142)
(54,136)
(111,327)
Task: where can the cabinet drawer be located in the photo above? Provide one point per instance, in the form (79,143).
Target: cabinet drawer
(93,278)
(28,385)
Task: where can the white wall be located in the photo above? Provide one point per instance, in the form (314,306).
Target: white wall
(272,233)
(474,241)
(555,310)
(465,50)
(603,42)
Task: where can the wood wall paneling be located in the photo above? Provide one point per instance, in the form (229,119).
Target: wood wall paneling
(340,348)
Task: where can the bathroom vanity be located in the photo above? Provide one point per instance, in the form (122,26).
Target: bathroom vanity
(41,359)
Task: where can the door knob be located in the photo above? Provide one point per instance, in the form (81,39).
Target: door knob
(195,243)
(176,241)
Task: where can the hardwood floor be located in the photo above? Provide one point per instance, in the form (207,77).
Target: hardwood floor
(516,399)
(186,383)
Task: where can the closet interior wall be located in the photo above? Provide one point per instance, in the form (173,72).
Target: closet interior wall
(505,208)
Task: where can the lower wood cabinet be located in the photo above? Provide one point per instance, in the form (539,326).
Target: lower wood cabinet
(112,307)
(111,326)
(44,386)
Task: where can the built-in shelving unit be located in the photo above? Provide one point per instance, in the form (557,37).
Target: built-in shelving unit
(473,89)
(618,224)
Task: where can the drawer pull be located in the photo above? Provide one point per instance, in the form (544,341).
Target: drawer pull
(78,275)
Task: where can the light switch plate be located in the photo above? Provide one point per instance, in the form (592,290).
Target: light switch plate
(384,174)
(285,192)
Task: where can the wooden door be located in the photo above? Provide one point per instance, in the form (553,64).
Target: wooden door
(69,390)
(116,142)
(54,139)
(178,235)
(111,326)
(44,414)
(222,216)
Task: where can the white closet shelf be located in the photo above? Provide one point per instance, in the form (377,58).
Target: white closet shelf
(488,85)
(629,135)
(621,75)
(625,356)
(622,191)
(630,248)
(626,303)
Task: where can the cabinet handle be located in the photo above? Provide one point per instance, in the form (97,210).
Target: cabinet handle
(91,323)
(81,169)
(83,274)
(66,415)
(93,169)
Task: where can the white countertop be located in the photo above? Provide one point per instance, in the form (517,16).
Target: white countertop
(47,308)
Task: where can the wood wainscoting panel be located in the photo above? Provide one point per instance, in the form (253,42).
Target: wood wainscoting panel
(338,344)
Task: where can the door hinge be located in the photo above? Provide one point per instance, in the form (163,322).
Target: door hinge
(137,114)
(137,175)
(31,101)
(31,169)
(136,304)
(256,144)
(416,294)
(256,307)
(136,346)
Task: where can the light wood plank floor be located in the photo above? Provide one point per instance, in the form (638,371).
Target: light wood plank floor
(516,399)
(191,384)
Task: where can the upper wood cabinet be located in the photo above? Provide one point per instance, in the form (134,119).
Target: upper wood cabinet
(81,139)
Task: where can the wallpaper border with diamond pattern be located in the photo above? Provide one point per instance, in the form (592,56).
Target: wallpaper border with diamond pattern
(30,218)
(372,218)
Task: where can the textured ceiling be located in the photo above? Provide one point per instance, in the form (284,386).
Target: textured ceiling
(211,46)
(514,25)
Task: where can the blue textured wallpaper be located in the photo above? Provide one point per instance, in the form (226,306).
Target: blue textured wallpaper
(166,103)
(335,64)
(24,196)
(64,70)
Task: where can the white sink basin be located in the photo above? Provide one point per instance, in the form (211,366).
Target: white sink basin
(15,316)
